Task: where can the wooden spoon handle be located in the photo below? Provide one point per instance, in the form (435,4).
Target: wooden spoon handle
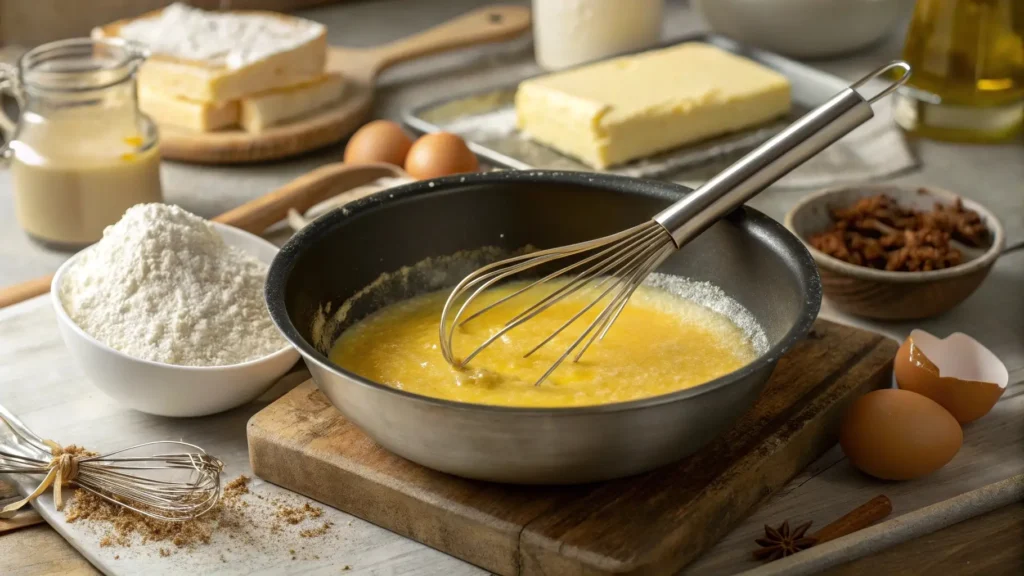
(257,215)
(303,193)
(20,292)
(487,24)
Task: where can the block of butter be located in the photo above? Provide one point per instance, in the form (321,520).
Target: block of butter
(222,56)
(611,112)
(260,111)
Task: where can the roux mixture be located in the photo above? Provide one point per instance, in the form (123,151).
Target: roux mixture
(660,343)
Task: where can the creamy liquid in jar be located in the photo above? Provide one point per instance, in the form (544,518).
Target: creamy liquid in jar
(68,189)
(82,153)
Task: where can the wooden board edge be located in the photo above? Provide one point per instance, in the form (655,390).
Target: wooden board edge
(22,520)
(542,558)
(808,434)
(361,497)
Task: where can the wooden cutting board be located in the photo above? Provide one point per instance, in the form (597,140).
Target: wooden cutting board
(360,68)
(654,523)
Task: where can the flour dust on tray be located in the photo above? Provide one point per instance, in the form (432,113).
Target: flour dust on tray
(162,285)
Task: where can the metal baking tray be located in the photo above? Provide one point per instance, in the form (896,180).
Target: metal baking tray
(486,119)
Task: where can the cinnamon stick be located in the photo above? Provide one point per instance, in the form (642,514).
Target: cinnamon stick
(859,518)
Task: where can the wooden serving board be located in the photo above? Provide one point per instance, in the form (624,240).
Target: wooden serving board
(360,68)
(653,523)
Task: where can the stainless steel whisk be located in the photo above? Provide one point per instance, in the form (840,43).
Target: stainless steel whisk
(171,486)
(614,266)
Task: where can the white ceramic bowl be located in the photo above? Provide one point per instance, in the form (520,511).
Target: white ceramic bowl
(165,389)
(803,28)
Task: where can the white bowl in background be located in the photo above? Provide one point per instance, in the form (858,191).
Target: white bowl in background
(803,28)
(166,389)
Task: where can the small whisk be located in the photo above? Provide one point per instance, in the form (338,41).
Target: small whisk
(614,266)
(172,481)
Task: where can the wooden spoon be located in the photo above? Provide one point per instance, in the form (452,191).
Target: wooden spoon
(257,215)
(360,68)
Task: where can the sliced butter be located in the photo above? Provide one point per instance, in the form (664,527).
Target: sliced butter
(192,115)
(267,109)
(612,112)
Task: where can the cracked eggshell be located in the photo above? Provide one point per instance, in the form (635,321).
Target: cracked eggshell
(957,372)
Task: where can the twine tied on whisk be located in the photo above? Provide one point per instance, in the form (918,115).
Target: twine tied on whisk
(61,471)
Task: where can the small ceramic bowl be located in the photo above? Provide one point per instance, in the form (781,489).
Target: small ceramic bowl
(803,28)
(165,389)
(889,295)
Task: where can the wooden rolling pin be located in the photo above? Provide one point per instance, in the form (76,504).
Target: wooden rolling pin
(901,529)
(257,215)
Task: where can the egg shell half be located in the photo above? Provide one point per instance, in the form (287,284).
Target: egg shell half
(957,377)
(896,434)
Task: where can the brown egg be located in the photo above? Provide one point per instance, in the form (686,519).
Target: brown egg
(378,141)
(899,435)
(966,378)
(439,154)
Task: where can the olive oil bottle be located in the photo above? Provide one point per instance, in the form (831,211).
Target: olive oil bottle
(968,63)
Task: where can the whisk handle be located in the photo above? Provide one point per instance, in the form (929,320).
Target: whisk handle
(740,182)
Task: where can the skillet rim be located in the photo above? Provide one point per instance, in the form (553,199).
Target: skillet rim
(801,259)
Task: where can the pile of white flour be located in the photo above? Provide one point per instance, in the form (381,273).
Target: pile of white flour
(163,286)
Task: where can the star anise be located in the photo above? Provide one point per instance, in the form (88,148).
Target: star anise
(780,542)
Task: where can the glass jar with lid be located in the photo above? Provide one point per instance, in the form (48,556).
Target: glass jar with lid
(81,151)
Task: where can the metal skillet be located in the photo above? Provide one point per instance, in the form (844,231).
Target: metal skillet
(748,255)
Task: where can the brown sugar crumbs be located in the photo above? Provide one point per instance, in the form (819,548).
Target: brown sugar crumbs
(236,487)
(123,527)
(877,232)
(314,532)
(296,515)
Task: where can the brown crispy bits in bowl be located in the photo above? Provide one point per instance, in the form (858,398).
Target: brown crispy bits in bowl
(876,232)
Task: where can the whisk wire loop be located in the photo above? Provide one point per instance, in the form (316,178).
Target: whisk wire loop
(575,285)
(641,272)
(637,250)
(491,274)
(553,275)
(609,266)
